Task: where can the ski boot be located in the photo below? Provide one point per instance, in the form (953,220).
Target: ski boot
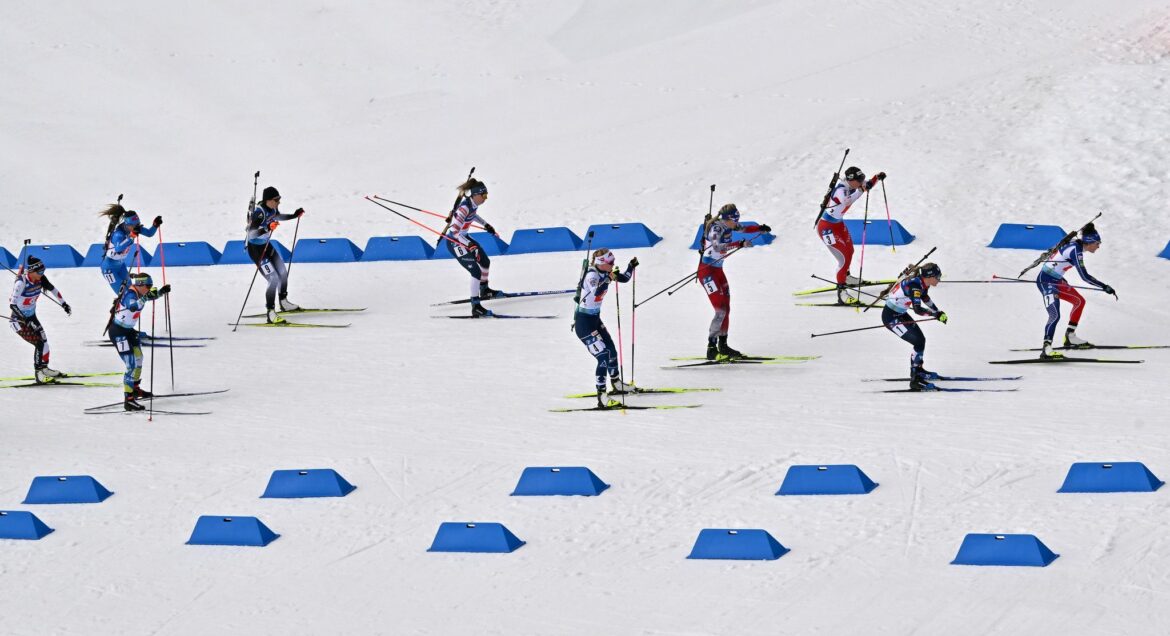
(140,393)
(479,311)
(929,376)
(727,352)
(712,348)
(486,292)
(288,305)
(1071,341)
(272,318)
(45,375)
(620,387)
(604,401)
(843,297)
(130,404)
(1046,352)
(852,280)
(919,382)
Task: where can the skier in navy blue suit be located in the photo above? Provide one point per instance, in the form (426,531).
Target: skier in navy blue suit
(912,294)
(587,320)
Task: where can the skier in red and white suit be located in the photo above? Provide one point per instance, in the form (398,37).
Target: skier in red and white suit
(717,245)
(831,226)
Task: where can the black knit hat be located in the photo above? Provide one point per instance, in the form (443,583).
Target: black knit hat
(270,193)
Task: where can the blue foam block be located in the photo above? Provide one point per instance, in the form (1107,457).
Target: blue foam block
(20,524)
(326,250)
(67,489)
(461,536)
(234,253)
(758,241)
(738,544)
(397,248)
(1165,253)
(549,480)
(55,256)
(1110,477)
(1004,549)
(544,239)
(187,254)
(216,530)
(312,482)
(491,245)
(1027,237)
(97,252)
(7,258)
(836,479)
(878,232)
(621,235)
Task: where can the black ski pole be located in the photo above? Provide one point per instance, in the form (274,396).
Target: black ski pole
(864,236)
(898,280)
(293,251)
(150,415)
(833,333)
(263,252)
(166,307)
(1064,241)
(832,184)
(633,319)
(889,221)
(617,294)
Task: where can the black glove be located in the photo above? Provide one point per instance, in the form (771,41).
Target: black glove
(765,227)
(299,213)
(67,308)
(942,317)
(487,227)
(633,263)
(1108,290)
(881,176)
(157,221)
(164,290)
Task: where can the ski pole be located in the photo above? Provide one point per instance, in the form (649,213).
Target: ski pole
(833,333)
(411,207)
(1004,279)
(150,415)
(617,294)
(829,192)
(263,252)
(864,233)
(633,319)
(293,252)
(166,306)
(889,221)
(442,235)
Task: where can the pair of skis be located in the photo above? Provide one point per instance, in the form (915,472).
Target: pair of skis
(64,380)
(950,378)
(301,325)
(502,295)
(741,360)
(115,408)
(191,342)
(833,288)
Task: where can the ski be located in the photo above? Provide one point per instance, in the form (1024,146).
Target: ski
(628,407)
(158,397)
(831,288)
(147,412)
(147,345)
(1064,360)
(849,305)
(647,391)
(179,338)
(714,363)
(493,314)
(290,324)
(752,358)
(950,378)
(1088,348)
(35,384)
(65,375)
(501,295)
(940,389)
(309,310)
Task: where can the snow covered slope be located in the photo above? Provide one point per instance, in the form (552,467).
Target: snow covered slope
(575,113)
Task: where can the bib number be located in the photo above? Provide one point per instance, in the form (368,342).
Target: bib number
(828,238)
(266,268)
(460,251)
(109,277)
(121,345)
(898,328)
(595,344)
(710,285)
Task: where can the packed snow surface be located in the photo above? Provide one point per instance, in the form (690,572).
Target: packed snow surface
(580,112)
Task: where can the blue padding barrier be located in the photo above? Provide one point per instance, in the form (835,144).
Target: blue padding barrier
(311,482)
(66,490)
(459,536)
(878,232)
(234,253)
(54,256)
(492,245)
(544,239)
(7,258)
(838,479)
(216,530)
(1106,477)
(20,524)
(326,250)
(187,254)
(621,235)
(1165,253)
(746,545)
(548,480)
(1003,549)
(758,241)
(1027,237)
(97,252)
(397,248)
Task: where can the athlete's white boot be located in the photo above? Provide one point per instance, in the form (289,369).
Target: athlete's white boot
(288,305)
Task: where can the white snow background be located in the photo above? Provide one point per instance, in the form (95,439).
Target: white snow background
(576,113)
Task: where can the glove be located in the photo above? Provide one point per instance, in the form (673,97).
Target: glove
(164,290)
(746,243)
(881,176)
(273,225)
(633,263)
(765,228)
(942,317)
(157,221)
(1108,290)
(489,229)
(67,308)
(299,213)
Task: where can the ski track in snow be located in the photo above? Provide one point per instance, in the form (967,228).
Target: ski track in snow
(585,112)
